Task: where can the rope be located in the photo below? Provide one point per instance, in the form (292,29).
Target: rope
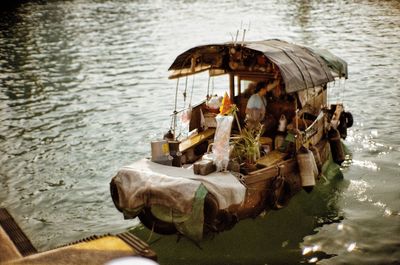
(191,93)
(151,232)
(183,108)
(176,102)
(208,87)
(344,88)
(339,92)
(212,91)
(185,93)
(328,95)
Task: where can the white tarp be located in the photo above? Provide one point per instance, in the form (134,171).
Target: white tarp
(146,183)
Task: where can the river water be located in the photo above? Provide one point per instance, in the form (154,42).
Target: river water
(84,89)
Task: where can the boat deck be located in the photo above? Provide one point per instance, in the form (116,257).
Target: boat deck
(272,158)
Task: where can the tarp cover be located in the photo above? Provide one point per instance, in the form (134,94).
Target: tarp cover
(145,183)
(300,67)
(164,183)
(336,64)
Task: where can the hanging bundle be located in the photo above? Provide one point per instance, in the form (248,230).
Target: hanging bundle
(337,149)
(307,167)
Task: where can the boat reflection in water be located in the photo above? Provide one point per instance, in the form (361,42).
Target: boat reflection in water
(227,169)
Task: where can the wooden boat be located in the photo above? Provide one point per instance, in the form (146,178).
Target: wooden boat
(186,188)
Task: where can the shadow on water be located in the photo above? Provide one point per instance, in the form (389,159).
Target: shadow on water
(274,238)
(9,5)
(16,51)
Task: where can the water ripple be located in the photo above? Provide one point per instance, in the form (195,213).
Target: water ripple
(84,89)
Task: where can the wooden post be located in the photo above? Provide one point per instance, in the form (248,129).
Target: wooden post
(231,85)
(239,85)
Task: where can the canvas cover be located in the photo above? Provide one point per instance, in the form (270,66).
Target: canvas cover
(176,191)
(300,67)
(336,64)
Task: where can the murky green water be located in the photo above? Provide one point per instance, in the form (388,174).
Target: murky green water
(84,89)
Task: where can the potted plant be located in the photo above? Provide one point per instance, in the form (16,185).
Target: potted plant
(246,147)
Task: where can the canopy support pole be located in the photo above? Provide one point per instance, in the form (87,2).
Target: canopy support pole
(231,85)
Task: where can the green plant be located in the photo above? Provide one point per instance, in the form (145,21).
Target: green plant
(247,145)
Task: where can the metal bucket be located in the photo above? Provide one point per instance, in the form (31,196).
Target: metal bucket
(160,152)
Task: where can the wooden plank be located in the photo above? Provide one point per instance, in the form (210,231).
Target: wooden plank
(8,250)
(14,232)
(272,158)
(197,139)
(260,175)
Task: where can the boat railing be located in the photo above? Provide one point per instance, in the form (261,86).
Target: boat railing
(314,132)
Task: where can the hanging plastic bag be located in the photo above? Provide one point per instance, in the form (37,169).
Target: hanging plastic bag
(202,121)
(214,102)
(186,115)
(221,147)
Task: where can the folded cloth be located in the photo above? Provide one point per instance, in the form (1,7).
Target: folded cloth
(145,183)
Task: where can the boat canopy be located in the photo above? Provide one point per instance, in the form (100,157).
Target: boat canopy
(300,67)
(337,65)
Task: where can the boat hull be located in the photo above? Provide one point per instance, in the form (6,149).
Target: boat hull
(269,188)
